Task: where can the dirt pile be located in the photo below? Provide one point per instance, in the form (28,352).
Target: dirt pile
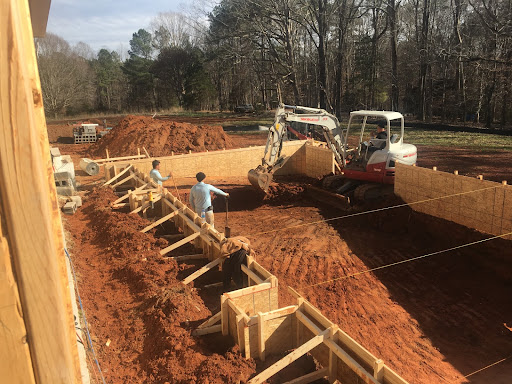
(133,298)
(160,137)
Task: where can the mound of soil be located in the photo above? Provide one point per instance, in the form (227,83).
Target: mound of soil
(160,137)
(132,297)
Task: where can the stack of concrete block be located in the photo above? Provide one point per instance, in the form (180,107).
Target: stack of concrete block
(65,183)
(473,202)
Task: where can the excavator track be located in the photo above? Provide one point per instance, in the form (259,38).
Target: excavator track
(371,192)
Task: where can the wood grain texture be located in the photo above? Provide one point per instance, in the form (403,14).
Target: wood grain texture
(29,202)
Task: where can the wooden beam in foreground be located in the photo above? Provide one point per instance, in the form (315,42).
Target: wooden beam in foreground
(290,358)
(160,221)
(31,226)
(119,174)
(179,243)
(203,270)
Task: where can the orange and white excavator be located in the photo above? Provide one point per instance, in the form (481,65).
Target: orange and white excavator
(363,167)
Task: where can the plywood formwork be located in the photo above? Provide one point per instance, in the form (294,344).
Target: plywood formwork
(473,202)
(301,327)
(305,158)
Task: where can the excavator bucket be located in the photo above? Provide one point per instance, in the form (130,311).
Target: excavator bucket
(260,179)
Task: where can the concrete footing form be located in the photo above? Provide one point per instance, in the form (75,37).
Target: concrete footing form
(252,316)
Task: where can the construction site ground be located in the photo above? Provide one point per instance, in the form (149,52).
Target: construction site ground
(434,320)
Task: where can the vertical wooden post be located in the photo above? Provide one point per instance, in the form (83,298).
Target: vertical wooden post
(333,359)
(33,229)
(224,315)
(261,336)
(378,370)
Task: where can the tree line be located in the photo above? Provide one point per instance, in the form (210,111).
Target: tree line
(434,59)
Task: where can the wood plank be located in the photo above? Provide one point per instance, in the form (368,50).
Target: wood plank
(123,181)
(146,152)
(262,271)
(248,290)
(338,351)
(207,330)
(240,327)
(31,213)
(224,316)
(197,256)
(15,361)
(252,275)
(310,377)
(290,358)
(392,377)
(211,321)
(285,311)
(261,336)
(159,221)
(146,205)
(179,243)
(203,270)
(118,175)
(111,159)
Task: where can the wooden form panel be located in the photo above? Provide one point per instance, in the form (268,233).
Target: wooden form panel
(223,163)
(473,202)
(318,161)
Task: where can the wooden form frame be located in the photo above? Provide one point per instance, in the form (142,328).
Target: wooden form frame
(260,333)
(172,209)
(252,317)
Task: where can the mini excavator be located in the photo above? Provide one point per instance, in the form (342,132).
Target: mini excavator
(364,168)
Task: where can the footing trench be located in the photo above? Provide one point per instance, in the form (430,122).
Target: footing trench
(251,316)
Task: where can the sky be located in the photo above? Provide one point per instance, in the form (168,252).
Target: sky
(105,23)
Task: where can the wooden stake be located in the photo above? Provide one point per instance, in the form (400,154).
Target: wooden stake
(261,336)
(106,150)
(224,315)
(455,172)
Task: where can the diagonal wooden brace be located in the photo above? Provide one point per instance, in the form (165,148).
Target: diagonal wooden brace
(118,175)
(203,270)
(180,243)
(160,221)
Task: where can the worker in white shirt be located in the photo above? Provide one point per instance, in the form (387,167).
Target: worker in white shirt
(200,198)
(155,173)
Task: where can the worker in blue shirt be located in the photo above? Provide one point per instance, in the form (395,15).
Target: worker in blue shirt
(155,173)
(200,198)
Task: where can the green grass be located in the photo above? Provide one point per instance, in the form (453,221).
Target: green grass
(477,141)
(424,136)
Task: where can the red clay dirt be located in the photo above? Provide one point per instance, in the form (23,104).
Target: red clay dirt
(433,320)
(160,137)
(133,298)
